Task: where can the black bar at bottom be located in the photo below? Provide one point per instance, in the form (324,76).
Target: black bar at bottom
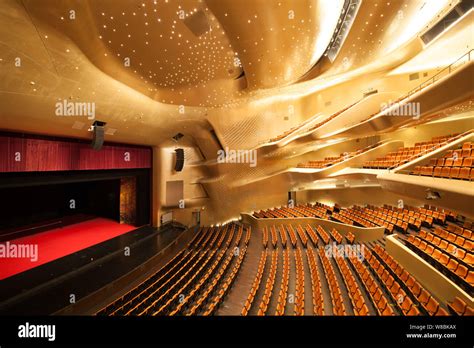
(291,331)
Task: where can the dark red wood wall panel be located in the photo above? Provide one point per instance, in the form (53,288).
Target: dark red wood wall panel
(22,154)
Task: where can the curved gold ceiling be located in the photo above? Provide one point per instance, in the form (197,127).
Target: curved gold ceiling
(277,42)
(71,55)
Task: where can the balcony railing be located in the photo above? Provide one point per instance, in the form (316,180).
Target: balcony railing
(465,58)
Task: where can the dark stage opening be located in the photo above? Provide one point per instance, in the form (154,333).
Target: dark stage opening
(33,203)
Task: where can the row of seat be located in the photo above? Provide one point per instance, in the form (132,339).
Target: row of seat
(461,173)
(338,306)
(428,303)
(283,238)
(292,235)
(256,283)
(373,289)
(323,234)
(350,237)
(329,161)
(439,215)
(292,212)
(302,235)
(265,237)
(285,279)
(274,235)
(427,217)
(293,129)
(340,217)
(376,218)
(268,291)
(398,218)
(465,231)
(349,217)
(310,211)
(299,288)
(334,115)
(312,235)
(459,307)
(451,243)
(380,219)
(317,294)
(313,127)
(337,236)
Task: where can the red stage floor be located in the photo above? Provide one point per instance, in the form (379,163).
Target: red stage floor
(56,243)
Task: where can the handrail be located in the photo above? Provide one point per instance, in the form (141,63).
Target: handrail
(426,83)
(433,79)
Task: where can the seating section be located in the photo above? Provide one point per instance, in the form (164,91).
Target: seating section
(406,154)
(404,288)
(309,210)
(307,278)
(195,281)
(392,218)
(373,289)
(313,127)
(398,219)
(329,161)
(449,252)
(397,294)
(455,164)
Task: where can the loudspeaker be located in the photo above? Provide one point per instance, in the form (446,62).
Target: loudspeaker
(179,164)
(98,130)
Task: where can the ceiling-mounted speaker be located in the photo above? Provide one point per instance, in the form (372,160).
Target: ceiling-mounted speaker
(177,136)
(197,22)
(179,163)
(98,130)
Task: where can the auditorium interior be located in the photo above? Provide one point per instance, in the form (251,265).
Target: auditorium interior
(237,157)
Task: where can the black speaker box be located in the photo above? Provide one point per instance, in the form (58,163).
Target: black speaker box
(179,164)
(98,130)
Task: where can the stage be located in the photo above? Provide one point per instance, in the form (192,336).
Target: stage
(48,246)
(76,261)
